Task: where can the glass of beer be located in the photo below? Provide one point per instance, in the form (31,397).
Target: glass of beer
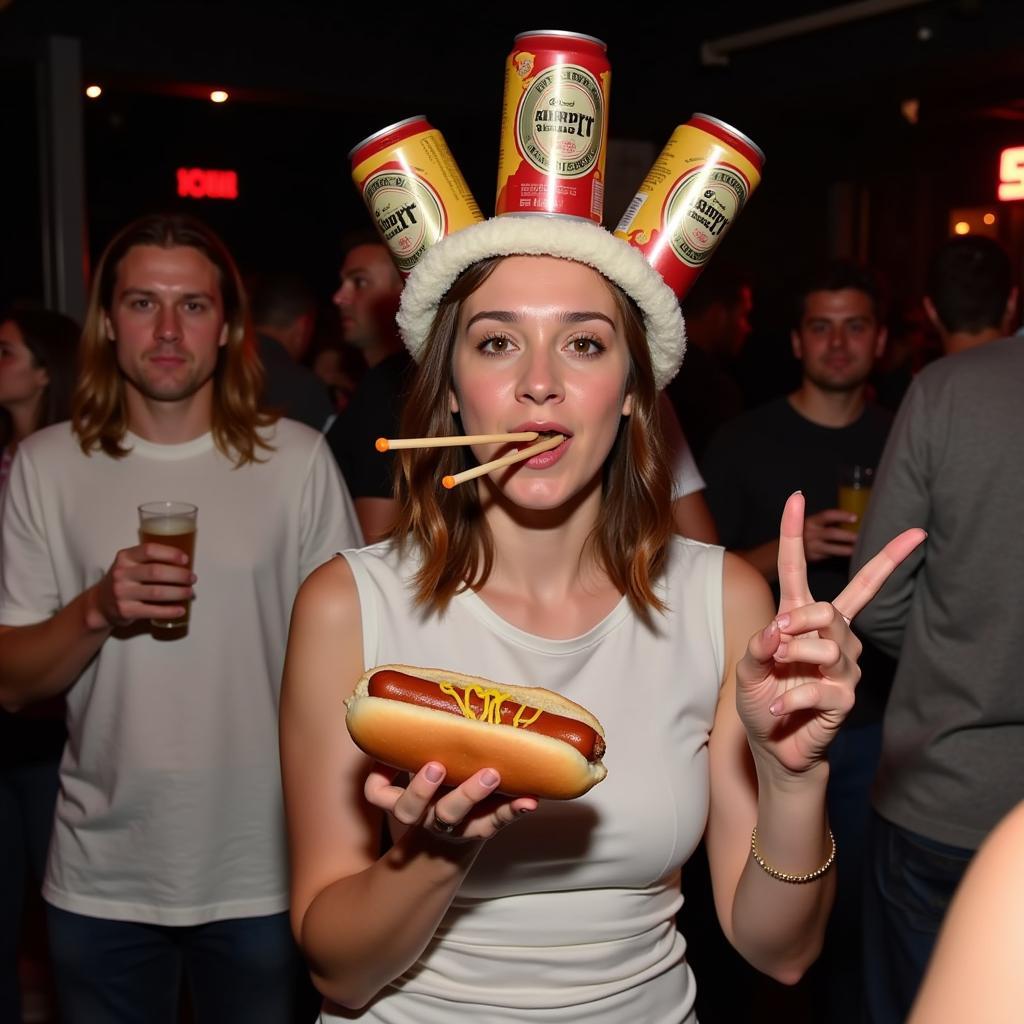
(855,492)
(172,523)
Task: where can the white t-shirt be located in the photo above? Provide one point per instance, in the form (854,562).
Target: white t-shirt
(686,478)
(170,806)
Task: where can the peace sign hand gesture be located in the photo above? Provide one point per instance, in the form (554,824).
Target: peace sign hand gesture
(796,682)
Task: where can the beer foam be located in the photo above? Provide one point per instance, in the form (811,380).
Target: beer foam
(169,526)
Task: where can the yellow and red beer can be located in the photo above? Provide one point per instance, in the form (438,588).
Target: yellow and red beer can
(413,188)
(695,190)
(554,126)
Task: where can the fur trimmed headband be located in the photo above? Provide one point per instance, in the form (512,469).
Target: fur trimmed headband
(566,238)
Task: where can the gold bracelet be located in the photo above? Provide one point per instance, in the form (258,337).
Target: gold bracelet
(784,876)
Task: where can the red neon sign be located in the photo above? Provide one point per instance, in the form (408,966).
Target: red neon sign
(197,183)
(1011,173)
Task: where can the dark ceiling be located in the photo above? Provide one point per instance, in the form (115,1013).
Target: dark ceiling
(448,57)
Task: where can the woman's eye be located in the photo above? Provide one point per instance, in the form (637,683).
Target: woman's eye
(495,346)
(586,347)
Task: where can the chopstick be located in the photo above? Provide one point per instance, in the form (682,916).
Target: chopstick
(385,444)
(546,445)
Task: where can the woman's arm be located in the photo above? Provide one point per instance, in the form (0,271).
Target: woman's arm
(778,927)
(361,919)
(787,691)
(977,970)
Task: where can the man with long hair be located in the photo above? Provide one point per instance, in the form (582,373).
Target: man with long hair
(168,847)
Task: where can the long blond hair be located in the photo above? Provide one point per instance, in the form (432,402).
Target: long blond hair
(99,414)
(447,527)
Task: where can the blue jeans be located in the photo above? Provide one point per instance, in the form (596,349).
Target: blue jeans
(242,971)
(909,884)
(853,760)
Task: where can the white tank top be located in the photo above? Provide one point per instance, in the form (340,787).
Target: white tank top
(569,914)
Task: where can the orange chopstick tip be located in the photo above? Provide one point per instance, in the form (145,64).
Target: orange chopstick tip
(448,482)
(382,444)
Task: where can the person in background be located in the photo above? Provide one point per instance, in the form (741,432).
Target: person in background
(37,371)
(338,366)
(800,441)
(705,393)
(168,851)
(952,762)
(970,297)
(689,509)
(38,349)
(284,317)
(367,301)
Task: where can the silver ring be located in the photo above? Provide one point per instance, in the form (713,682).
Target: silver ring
(446,828)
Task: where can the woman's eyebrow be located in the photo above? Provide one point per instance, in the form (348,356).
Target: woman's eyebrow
(581,317)
(502,315)
(507,317)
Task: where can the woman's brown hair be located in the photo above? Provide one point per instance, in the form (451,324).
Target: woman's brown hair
(630,539)
(99,415)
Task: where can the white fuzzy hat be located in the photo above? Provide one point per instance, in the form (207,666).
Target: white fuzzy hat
(564,237)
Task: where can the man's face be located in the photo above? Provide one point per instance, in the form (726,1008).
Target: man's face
(166,319)
(838,339)
(368,296)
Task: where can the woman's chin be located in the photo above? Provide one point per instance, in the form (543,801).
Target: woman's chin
(543,492)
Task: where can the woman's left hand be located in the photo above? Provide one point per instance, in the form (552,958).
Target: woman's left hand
(796,682)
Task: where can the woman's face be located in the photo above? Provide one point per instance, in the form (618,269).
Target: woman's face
(21,381)
(540,346)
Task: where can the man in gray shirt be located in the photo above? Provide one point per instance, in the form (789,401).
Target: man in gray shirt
(953,746)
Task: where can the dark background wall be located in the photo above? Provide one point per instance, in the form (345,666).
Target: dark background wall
(847,173)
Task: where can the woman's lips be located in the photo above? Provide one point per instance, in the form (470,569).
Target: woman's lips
(545,460)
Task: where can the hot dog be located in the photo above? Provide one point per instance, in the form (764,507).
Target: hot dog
(541,743)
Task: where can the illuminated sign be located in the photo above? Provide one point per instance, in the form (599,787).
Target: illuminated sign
(197,183)
(1011,173)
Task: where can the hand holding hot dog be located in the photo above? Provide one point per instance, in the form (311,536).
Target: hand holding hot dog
(796,682)
(472,811)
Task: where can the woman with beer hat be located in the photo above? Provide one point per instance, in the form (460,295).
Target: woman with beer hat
(561,571)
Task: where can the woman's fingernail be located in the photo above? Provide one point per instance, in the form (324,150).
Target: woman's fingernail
(782,621)
(490,777)
(776,707)
(769,631)
(782,651)
(434,773)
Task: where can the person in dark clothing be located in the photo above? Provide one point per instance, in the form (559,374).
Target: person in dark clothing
(952,761)
(38,348)
(284,315)
(971,298)
(705,392)
(367,300)
(800,442)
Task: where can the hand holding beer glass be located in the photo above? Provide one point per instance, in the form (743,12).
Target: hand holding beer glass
(172,523)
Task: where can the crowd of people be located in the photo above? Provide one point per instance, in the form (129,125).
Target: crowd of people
(812,727)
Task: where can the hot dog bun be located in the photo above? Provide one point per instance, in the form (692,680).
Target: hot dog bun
(407,736)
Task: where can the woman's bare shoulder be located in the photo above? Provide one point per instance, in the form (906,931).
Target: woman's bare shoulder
(329,593)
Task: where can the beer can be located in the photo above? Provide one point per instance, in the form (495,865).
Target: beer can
(413,188)
(554,126)
(690,197)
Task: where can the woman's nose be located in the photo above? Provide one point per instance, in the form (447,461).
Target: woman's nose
(540,380)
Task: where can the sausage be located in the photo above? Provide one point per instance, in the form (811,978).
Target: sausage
(409,689)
